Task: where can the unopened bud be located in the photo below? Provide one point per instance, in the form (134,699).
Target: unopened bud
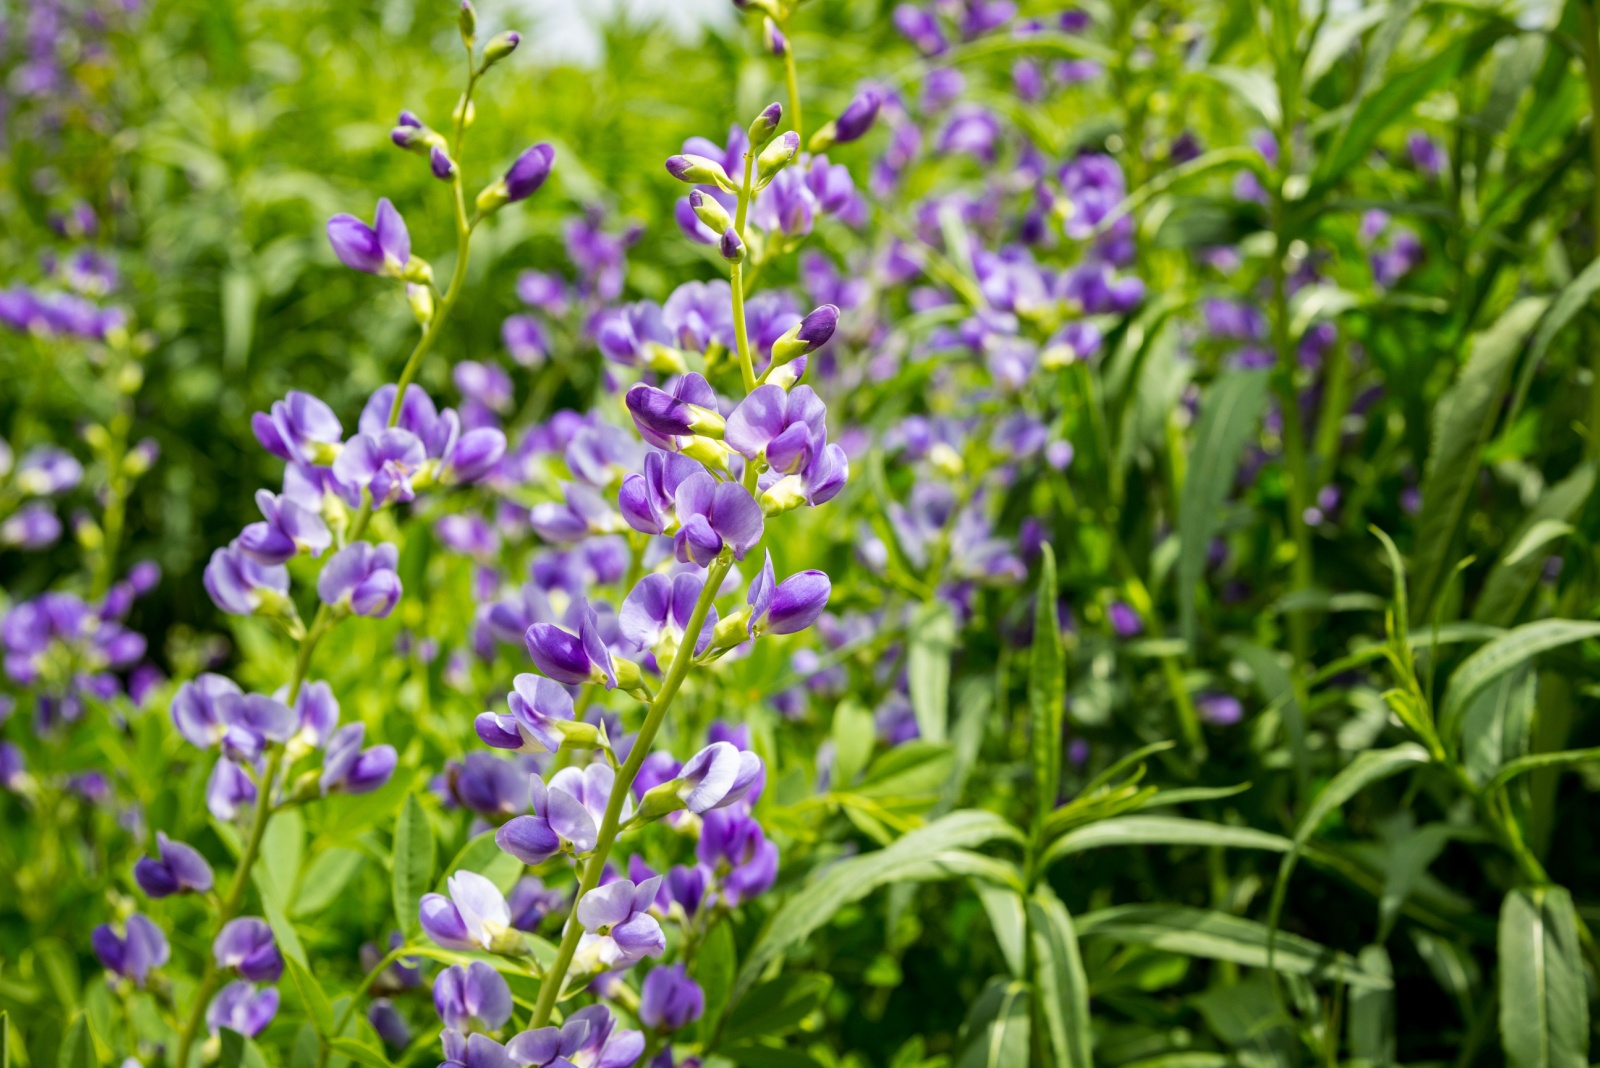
(439,161)
(464,112)
(709,211)
(628,675)
(468,23)
(698,170)
(772,37)
(417,270)
(731,246)
(765,125)
(499,47)
(776,156)
(421,300)
(824,138)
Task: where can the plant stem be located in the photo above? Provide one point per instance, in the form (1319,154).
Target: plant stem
(232,903)
(792,79)
(1589,30)
(747,371)
(556,975)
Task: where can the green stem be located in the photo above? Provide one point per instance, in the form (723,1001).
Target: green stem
(233,902)
(792,79)
(1589,29)
(747,371)
(621,789)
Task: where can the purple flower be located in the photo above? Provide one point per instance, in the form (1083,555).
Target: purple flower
(389,1024)
(531,901)
(858,117)
(489,786)
(664,418)
(381,463)
(46,471)
(13,769)
(348,768)
(229,790)
(572,658)
(288,530)
(134,954)
(788,606)
(317,711)
(780,428)
(484,383)
(972,130)
(1219,709)
(474,917)
(177,868)
(743,861)
(1427,156)
(823,476)
(629,333)
(698,312)
(1124,620)
(921,27)
(383,248)
(247,944)
(440,163)
(472,997)
(545,291)
(648,501)
(31,528)
(670,999)
(241,585)
(560,823)
(526,339)
(240,1007)
(537,706)
(1092,186)
(619,928)
(714,515)
(660,607)
(588,1037)
(468,534)
(717,776)
(201,708)
(529,172)
(361,577)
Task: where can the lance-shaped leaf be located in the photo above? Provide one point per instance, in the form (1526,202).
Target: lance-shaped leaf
(1046,689)
(412,865)
(1544,1006)
(1059,979)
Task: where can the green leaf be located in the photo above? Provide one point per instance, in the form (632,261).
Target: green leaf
(1008,918)
(278,869)
(412,869)
(814,904)
(777,1007)
(1220,936)
(288,938)
(1523,765)
(1511,649)
(1338,36)
(1369,767)
(933,639)
(481,854)
(1162,830)
(5,1039)
(77,1048)
(1572,299)
(1253,87)
(1277,688)
(996,1033)
(973,699)
(1463,420)
(1203,222)
(1372,1020)
(1394,99)
(917,767)
(1229,417)
(358,1051)
(759,1055)
(1063,989)
(239,1051)
(1494,727)
(713,968)
(964,863)
(1047,685)
(1510,581)
(318,1007)
(854,735)
(1544,1007)
(326,879)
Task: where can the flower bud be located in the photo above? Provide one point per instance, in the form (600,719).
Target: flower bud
(765,125)
(806,336)
(417,270)
(698,170)
(443,167)
(858,117)
(731,246)
(772,38)
(709,211)
(411,134)
(421,300)
(465,111)
(468,23)
(659,801)
(776,156)
(825,138)
(499,47)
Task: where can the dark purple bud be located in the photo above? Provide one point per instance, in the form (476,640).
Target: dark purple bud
(858,117)
(499,47)
(177,868)
(766,124)
(698,170)
(731,246)
(389,1024)
(529,172)
(444,168)
(135,954)
(362,578)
